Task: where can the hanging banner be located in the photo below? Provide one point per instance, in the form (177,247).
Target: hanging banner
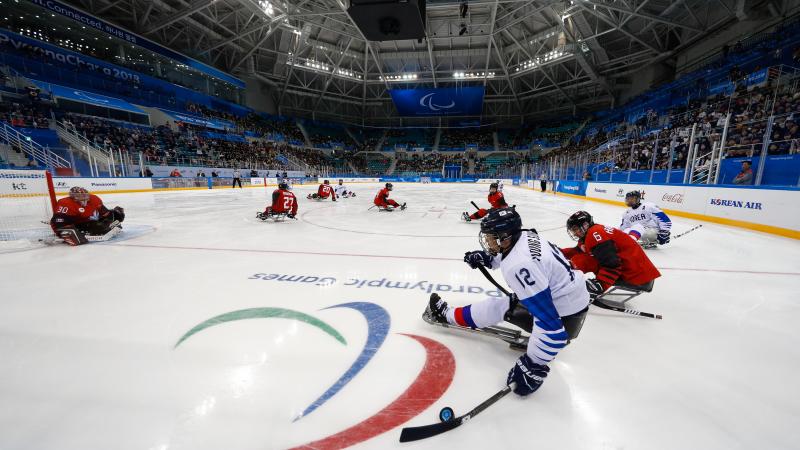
(462,101)
(98,24)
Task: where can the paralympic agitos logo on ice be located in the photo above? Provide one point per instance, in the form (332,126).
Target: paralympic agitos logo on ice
(380,283)
(427,387)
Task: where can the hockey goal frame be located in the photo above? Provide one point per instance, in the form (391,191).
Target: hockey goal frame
(22,176)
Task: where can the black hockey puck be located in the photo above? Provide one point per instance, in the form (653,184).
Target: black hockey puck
(446,414)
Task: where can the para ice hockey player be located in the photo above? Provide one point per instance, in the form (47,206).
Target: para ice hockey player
(341,190)
(645,221)
(81,214)
(550,298)
(324,191)
(612,255)
(382,200)
(284,203)
(496,199)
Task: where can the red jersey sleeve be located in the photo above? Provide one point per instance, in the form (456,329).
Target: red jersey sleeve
(497,200)
(599,241)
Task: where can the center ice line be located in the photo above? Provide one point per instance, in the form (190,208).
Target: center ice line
(419,258)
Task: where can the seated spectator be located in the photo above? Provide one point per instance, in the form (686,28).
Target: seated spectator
(746,175)
(175,173)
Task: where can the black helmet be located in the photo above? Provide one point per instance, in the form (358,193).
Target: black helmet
(493,186)
(389,186)
(580,219)
(327,182)
(501,224)
(341,181)
(634,194)
(283,185)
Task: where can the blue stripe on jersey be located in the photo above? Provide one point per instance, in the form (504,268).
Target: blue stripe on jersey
(549,353)
(559,345)
(541,307)
(561,336)
(467,311)
(663,218)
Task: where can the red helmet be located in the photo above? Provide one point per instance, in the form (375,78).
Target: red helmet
(79,194)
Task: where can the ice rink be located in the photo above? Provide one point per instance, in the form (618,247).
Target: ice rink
(201,327)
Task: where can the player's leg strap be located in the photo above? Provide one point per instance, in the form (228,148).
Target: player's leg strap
(518,315)
(574,322)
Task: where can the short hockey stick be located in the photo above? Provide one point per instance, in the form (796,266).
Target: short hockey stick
(633,312)
(476,206)
(491,280)
(688,231)
(416,433)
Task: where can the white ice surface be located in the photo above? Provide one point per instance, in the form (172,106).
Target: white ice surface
(87,334)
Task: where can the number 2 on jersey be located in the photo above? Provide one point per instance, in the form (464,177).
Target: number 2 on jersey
(287,203)
(528,280)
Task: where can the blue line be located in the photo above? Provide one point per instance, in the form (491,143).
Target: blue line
(378,323)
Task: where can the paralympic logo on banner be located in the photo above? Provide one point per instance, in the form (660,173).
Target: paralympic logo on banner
(462,101)
(428,386)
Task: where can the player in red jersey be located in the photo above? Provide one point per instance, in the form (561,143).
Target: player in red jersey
(324,191)
(383,201)
(496,199)
(81,214)
(283,203)
(611,254)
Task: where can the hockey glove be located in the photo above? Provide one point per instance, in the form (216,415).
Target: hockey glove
(477,259)
(118,213)
(663,237)
(72,236)
(527,375)
(595,289)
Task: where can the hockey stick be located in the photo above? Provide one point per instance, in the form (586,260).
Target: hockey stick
(115,230)
(598,304)
(491,280)
(416,433)
(633,312)
(473,204)
(688,231)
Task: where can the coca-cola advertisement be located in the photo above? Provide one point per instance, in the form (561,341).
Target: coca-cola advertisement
(672,198)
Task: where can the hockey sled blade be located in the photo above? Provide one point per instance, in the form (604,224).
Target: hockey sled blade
(410,434)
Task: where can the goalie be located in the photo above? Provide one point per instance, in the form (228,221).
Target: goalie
(496,199)
(82,214)
(284,204)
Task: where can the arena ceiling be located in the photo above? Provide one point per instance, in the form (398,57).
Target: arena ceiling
(535,57)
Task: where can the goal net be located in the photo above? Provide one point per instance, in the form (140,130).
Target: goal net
(425,180)
(27,200)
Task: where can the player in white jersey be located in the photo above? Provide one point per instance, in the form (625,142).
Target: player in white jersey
(341,190)
(550,298)
(499,185)
(645,221)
